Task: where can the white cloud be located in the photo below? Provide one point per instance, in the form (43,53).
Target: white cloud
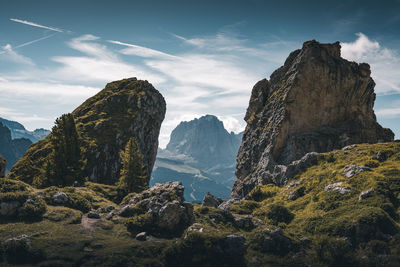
(99,64)
(384,62)
(388,113)
(232,124)
(21,117)
(141,51)
(8,54)
(35,89)
(37,25)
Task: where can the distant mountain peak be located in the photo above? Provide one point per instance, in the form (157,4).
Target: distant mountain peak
(206,140)
(19,131)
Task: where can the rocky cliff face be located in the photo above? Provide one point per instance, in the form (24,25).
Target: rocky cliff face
(123,109)
(317,101)
(201,154)
(11,149)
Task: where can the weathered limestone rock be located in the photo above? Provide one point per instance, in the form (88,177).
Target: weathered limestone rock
(351,170)
(210,201)
(316,102)
(338,188)
(60,198)
(123,109)
(165,205)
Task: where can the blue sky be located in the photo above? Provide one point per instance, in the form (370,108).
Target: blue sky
(203,56)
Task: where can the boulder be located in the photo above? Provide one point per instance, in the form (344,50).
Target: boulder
(210,201)
(141,236)
(93,214)
(366,194)
(234,245)
(105,122)
(163,204)
(272,241)
(338,188)
(60,198)
(351,170)
(9,208)
(316,102)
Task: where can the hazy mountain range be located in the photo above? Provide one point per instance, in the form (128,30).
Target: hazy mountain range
(202,155)
(19,131)
(15,140)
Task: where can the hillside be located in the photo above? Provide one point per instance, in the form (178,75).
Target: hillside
(323,217)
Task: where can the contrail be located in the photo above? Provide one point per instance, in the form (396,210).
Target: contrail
(37,25)
(34,41)
(30,42)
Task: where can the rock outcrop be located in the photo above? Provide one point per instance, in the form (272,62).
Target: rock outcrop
(123,109)
(160,210)
(316,102)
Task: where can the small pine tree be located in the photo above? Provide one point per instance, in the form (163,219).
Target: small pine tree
(64,164)
(133,173)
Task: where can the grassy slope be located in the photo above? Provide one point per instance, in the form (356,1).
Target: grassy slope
(342,229)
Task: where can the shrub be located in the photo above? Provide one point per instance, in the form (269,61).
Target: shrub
(278,213)
(140,223)
(244,207)
(33,209)
(259,193)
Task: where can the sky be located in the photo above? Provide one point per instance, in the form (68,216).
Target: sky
(203,56)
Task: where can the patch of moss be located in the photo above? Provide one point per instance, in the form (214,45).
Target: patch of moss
(244,207)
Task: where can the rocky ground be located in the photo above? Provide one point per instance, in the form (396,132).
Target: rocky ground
(342,210)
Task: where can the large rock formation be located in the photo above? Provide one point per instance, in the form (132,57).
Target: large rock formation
(201,154)
(317,101)
(123,109)
(11,149)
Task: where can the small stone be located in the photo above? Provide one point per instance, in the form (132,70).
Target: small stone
(93,215)
(365,194)
(210,201)
(60,198)
(337,187)
(381,156)
(141,236)
(351,170)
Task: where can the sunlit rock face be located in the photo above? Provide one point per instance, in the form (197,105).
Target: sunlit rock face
(316,102)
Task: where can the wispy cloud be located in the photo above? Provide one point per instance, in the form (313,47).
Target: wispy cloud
(385,63)
(141,51)
(37,25)
(388,112)
(8,54)
(98,64)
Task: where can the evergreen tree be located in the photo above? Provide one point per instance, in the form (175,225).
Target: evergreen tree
(64,165)
(133,173)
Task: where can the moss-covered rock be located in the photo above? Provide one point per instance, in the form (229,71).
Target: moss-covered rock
(123,109)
